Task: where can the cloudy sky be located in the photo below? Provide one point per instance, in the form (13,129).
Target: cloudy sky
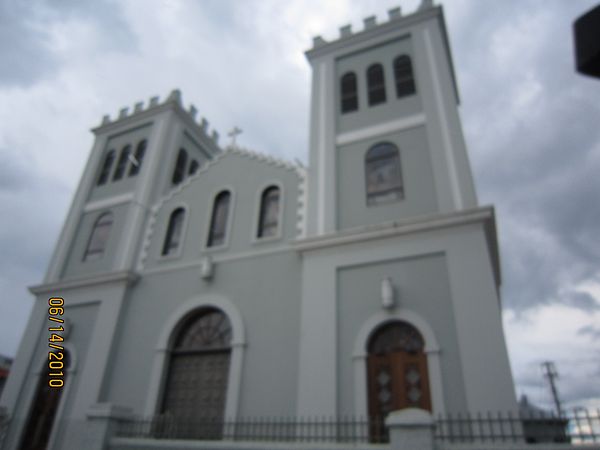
(531,123)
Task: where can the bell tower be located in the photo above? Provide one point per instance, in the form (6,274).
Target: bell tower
(386,142)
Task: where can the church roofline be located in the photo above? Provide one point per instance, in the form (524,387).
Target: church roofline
(373,30)
(237,151)
(172,102)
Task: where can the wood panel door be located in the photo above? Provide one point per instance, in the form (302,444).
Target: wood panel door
(397,380)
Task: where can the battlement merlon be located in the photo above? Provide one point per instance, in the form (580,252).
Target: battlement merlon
(371,29)
(126,118)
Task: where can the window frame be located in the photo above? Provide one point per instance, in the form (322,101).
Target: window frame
(179,249)
(122,163)
(228,227)
(142,147)
(96,255)
(411,79)
(255,238)
(346,96)
(107,168)
(182,153)
(381,86)
(371,199)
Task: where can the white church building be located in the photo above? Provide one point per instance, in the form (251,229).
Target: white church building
(202,282)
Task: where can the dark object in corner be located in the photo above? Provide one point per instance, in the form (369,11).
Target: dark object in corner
(587,42)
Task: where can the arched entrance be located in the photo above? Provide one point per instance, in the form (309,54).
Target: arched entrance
(196,385)
(39,426)
(397,370)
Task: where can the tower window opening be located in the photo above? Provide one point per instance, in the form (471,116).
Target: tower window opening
(349,93)
(138,158)
(376,84)
(106,168)
(403,73)
(122,163)
(179,171)
(383,174)
(99,237)
(193,167)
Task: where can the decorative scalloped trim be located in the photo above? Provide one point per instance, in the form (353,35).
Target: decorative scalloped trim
(147,238)
(300,171)
(302,215)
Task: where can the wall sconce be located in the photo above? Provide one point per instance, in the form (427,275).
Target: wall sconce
(387,293)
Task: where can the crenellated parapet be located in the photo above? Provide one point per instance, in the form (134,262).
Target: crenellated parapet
(154,104)
(370,23)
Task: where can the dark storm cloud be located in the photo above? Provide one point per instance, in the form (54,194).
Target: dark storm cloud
(533,122)
(27,53)
(589,330)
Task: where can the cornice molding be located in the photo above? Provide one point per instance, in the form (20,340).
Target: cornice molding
(397,228)
(126,276)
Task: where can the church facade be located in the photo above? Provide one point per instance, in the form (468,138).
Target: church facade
(201,282)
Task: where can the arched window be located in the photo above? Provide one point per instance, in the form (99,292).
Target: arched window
(196,384)
(348,92)
(138,158)
(397,373)
(106,167)
(375,84)
(193,167)
(268,222)
(218,221)
(403,73)
(179,171)
(383,174)
(99,237)
(174,232)
(45,404)
(122,163)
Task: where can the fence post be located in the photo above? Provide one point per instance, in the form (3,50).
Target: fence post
(101,423)
(410,428)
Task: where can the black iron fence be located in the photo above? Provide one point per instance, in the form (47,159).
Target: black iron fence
(338,430)
(576,426)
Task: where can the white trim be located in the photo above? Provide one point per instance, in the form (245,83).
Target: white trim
(186,219)
(108,202)
(448,148)
(218,259)
(321,146)
(85,281)
(392,126)
(205,248)
(432,350)
(238,344)
(257,209)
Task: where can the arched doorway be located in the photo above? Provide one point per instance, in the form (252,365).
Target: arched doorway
(42,416)
(396,371)
(196,384)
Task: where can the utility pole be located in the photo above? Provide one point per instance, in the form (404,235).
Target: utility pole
(551,373)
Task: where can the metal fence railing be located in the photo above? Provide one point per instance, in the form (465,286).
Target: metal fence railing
(275,429)
(576,426)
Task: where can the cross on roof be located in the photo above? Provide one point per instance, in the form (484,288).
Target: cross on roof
(233,134)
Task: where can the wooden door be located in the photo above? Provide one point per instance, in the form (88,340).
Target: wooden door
(397,374)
